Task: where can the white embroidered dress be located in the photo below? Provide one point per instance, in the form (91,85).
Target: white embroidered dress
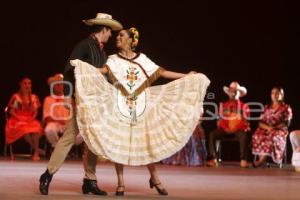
(130,123)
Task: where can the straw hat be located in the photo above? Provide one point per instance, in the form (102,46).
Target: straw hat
(56,77)
(104,19)
(235,86)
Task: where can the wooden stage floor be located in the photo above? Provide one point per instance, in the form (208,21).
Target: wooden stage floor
(19,180)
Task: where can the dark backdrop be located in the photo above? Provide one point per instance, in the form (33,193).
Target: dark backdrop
(253,42)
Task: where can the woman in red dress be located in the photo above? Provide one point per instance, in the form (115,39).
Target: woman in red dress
(270,137)
(23,109)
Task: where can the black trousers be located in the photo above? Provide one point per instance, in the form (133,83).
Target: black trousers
(218,134)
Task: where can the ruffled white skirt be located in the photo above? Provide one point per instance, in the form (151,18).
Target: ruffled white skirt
(171,114)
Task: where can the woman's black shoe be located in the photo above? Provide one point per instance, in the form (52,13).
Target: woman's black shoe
(90,186)
(160,191)
(120,193)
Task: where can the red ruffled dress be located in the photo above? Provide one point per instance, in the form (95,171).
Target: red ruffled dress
(24,124)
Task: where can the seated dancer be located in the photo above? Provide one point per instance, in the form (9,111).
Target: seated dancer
(55,114)
(269,139)
(232,123)
(22,123)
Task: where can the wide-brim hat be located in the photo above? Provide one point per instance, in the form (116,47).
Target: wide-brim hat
(105,20)
(236,87)
(56,77)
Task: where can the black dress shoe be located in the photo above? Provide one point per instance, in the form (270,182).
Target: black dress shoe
(162,191)
(120,193)
(90,186)
(45,180)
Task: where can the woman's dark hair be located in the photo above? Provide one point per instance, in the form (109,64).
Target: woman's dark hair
(134,35)
(130,34)
(281,91)
(20,81)
(23,78)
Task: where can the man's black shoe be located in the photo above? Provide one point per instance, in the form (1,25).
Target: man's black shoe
(45,180)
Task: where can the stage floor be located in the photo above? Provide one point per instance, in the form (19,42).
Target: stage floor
(20,180)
